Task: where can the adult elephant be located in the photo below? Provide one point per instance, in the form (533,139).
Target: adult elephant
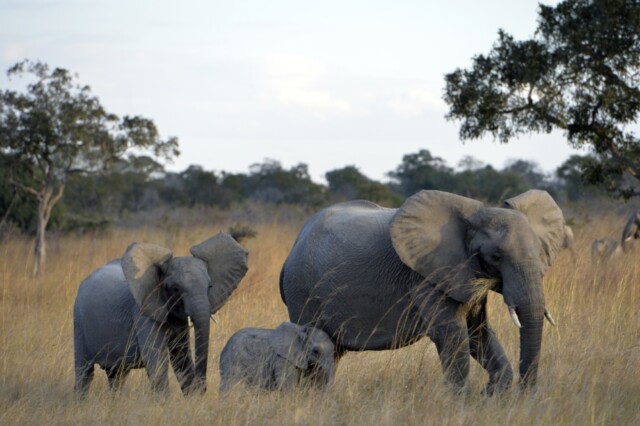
(133,312)
(376,278)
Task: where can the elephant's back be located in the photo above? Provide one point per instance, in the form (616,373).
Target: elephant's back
(348,227)
(339,235)
(245,355)
(242,342)
(104,288)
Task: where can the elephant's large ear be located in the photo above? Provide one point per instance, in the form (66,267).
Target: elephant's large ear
(428,233)
(288,342)
(141,264)
(546,219)
(226,263)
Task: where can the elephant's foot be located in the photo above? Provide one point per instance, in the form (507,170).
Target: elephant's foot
(116,377)
(458,391)
(196,387)
(495,388)
(84,376)
(499,383)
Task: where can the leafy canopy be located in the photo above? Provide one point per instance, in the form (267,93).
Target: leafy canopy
(56,128)
(579,74)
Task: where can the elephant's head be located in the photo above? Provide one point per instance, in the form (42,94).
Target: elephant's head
(309,349)
(631,230)
(452,241)
(166,287)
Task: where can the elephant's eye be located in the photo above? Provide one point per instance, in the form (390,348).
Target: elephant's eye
(496,258)
(173,290)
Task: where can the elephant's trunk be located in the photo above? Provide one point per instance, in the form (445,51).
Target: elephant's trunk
(522,291)
(326,370)
(200,318)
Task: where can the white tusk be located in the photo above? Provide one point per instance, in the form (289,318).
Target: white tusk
(549,317)
(215,321)
(190,322)
(514,317)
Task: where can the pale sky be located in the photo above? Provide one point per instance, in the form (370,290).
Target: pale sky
(327,83)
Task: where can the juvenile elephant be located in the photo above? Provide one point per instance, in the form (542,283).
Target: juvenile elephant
(375,278)
(133,312)
(277,359)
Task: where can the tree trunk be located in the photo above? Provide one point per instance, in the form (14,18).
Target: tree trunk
(46,201)
(40,248)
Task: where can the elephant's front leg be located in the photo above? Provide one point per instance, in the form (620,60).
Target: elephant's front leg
(153,339)
(284,376)
(448,329)
(180,357)
(487,350)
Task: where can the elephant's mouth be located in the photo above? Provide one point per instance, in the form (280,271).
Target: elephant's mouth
(176,308)
(318,374)
(513,313)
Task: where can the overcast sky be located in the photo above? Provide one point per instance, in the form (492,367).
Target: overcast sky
(327,83)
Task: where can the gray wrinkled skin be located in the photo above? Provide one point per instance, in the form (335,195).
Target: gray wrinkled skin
(345,276)
(271,359)
(113,331)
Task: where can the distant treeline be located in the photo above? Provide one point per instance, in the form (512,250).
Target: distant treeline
(92,200)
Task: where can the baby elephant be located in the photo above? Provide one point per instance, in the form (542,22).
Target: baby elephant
(277,359)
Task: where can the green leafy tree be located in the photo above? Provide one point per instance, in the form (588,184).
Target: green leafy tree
(575,183)
(348,183)
(269,182)
(529,172)
(99,197)
(16,207)
(56,128)
(488,184)
(422,171)
(195,187)
(579,74)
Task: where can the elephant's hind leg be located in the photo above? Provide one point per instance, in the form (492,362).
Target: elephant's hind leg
(83,363)
(116,377)
(84,376)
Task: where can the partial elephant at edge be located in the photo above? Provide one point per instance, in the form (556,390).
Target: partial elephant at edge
(610,247)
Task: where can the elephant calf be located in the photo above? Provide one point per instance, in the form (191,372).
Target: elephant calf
(277,359)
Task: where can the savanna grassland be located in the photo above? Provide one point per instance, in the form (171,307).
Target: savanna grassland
(589,373)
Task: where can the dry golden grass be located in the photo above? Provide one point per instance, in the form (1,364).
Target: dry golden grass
(590,368)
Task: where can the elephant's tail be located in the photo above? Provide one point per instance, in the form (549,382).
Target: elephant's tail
(281,285)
